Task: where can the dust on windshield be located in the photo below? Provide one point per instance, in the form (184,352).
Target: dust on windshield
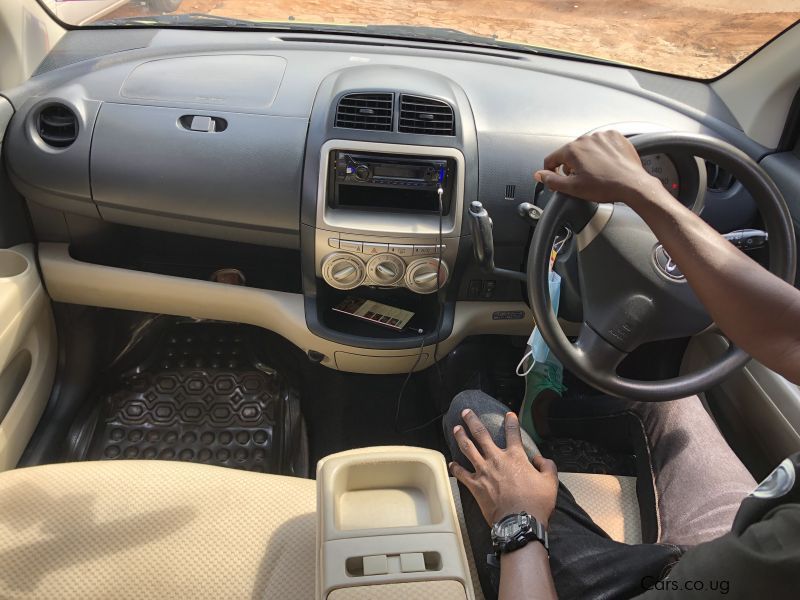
(701,38)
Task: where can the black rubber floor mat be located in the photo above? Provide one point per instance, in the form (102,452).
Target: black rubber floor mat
(580,456)
(203,396)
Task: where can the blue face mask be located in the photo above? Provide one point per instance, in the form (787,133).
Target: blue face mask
(537,348)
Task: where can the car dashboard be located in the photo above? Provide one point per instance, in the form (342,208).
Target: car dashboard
(320,168)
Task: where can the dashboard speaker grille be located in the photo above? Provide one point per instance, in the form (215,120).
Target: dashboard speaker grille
(365,111)
(57,126)
(426,116)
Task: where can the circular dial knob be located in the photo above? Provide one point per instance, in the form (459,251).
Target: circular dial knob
(385,269)
(362,172)
(421,275)
(343,271)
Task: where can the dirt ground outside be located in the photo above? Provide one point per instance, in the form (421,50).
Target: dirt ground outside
(701,38)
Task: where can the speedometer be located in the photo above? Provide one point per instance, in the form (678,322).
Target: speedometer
(662,167)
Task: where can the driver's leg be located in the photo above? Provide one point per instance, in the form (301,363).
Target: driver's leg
(585,562)
(698,480)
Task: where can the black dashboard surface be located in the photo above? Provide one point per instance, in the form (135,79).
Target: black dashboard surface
(134,163)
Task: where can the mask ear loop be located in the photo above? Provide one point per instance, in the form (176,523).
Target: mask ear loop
(557,246)
(521,363)
(560,241)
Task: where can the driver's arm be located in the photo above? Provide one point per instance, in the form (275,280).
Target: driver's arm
(759,312)
(504,482)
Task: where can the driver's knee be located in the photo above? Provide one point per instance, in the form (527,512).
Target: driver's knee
(492,414)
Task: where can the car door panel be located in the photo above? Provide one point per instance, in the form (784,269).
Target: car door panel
(28,349)
(757,410)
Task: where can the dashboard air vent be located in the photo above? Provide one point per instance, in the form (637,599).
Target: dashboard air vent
(718,179)
(365,111)
(57,126)
(426,116)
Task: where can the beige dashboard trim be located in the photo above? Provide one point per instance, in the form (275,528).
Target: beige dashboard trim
(28,353)
(75,282)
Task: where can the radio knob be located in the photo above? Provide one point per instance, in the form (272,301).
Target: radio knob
(362,172)
(385,269)
(426,275)
(343,271)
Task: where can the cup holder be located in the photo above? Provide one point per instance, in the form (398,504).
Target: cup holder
(12,264)
(386,494)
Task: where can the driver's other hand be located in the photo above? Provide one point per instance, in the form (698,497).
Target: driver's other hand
(505,481)
(601,167)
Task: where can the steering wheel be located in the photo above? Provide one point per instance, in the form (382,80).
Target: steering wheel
(630,291)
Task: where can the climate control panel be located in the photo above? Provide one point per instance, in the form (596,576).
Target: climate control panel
(347,263)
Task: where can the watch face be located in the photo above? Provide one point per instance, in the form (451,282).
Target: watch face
(509,527)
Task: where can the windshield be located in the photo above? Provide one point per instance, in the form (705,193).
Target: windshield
(694,38)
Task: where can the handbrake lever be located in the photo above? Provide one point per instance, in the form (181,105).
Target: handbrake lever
(483,242)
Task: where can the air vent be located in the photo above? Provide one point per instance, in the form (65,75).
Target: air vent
(365,111)
(426,116)
(718,179)
(57,126)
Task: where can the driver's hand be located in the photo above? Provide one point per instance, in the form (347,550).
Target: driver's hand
(505,481)
(601,167)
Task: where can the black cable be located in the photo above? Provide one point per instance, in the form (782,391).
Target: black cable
(439,319)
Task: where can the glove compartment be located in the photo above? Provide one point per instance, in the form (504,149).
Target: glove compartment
(209,173)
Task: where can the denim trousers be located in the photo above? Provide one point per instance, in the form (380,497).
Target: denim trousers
(687,473)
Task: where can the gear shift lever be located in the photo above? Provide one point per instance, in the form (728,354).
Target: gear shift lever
(483,242)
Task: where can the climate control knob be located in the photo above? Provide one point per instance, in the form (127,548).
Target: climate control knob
(385,269)
(426,275)
(343,271)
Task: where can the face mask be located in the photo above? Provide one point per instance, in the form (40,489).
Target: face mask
(538,351)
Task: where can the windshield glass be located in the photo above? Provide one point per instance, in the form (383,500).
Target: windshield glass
(695,38)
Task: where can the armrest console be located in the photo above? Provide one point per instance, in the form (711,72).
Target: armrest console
(387,520)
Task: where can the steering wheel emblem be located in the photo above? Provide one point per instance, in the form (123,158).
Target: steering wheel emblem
(666,266)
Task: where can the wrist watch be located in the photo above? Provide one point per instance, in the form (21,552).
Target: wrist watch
(515,531)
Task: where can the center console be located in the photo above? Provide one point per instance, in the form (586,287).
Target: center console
(387,229)
(388,527)
(381,209)
(387,176)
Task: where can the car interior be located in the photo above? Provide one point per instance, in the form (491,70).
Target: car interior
(243,273)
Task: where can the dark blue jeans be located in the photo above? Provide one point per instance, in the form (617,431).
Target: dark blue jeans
(696,484)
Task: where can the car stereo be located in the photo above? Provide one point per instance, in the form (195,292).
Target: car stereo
(389,182)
